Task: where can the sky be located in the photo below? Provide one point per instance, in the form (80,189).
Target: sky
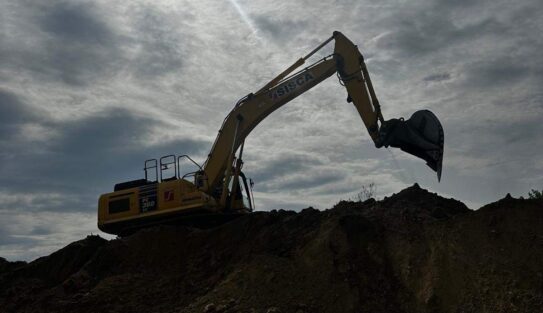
(91,89)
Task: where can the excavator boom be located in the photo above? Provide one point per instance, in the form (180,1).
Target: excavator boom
(421,136)
(254,108)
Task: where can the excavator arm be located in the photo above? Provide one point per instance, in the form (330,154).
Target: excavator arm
(422,135)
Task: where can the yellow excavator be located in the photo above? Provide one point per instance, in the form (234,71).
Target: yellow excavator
(218,190)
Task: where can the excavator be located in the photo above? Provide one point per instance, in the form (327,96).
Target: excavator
(218,190)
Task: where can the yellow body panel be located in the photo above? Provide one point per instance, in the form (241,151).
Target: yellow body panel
(156,200)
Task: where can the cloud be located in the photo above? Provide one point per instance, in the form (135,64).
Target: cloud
(89,154)
(497,73)
(432,28)
(301,181)
(438,77)
(283,165)
(161,49)
(29,235)
(61,42)
(91,89)
(279,29)
(76,23)
(20,126)
(12,114)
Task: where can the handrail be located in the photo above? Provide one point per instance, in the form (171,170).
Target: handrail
(164,166)
(155,166)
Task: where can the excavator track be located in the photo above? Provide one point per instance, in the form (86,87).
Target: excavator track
(199,220)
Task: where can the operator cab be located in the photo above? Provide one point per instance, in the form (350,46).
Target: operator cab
(168,168)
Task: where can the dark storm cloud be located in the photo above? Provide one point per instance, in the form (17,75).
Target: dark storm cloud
(279,29)
(283,165)
(430,32)
(437,77)
(82,48)
(12,114)
(290,172)
(161,50)
(77,44)
(309,179)
(499,72)
(79,23)
(90,155)
(15,114)
(40,230)
(66,42)
(505,136)
(114,140)
(7,238)
(12,110)
(455,4)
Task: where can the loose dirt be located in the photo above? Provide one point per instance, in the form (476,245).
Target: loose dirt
(412,252)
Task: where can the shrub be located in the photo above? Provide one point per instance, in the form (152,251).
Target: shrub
(535,194)
(367,192)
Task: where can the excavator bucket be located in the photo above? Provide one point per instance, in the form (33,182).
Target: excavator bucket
(421,135)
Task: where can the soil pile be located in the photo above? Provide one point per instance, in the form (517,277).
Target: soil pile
(412,252)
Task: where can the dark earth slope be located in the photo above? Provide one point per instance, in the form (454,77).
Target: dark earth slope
(412,252)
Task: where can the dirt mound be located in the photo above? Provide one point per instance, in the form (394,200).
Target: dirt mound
(6,266)
(412,252)
(407,209)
